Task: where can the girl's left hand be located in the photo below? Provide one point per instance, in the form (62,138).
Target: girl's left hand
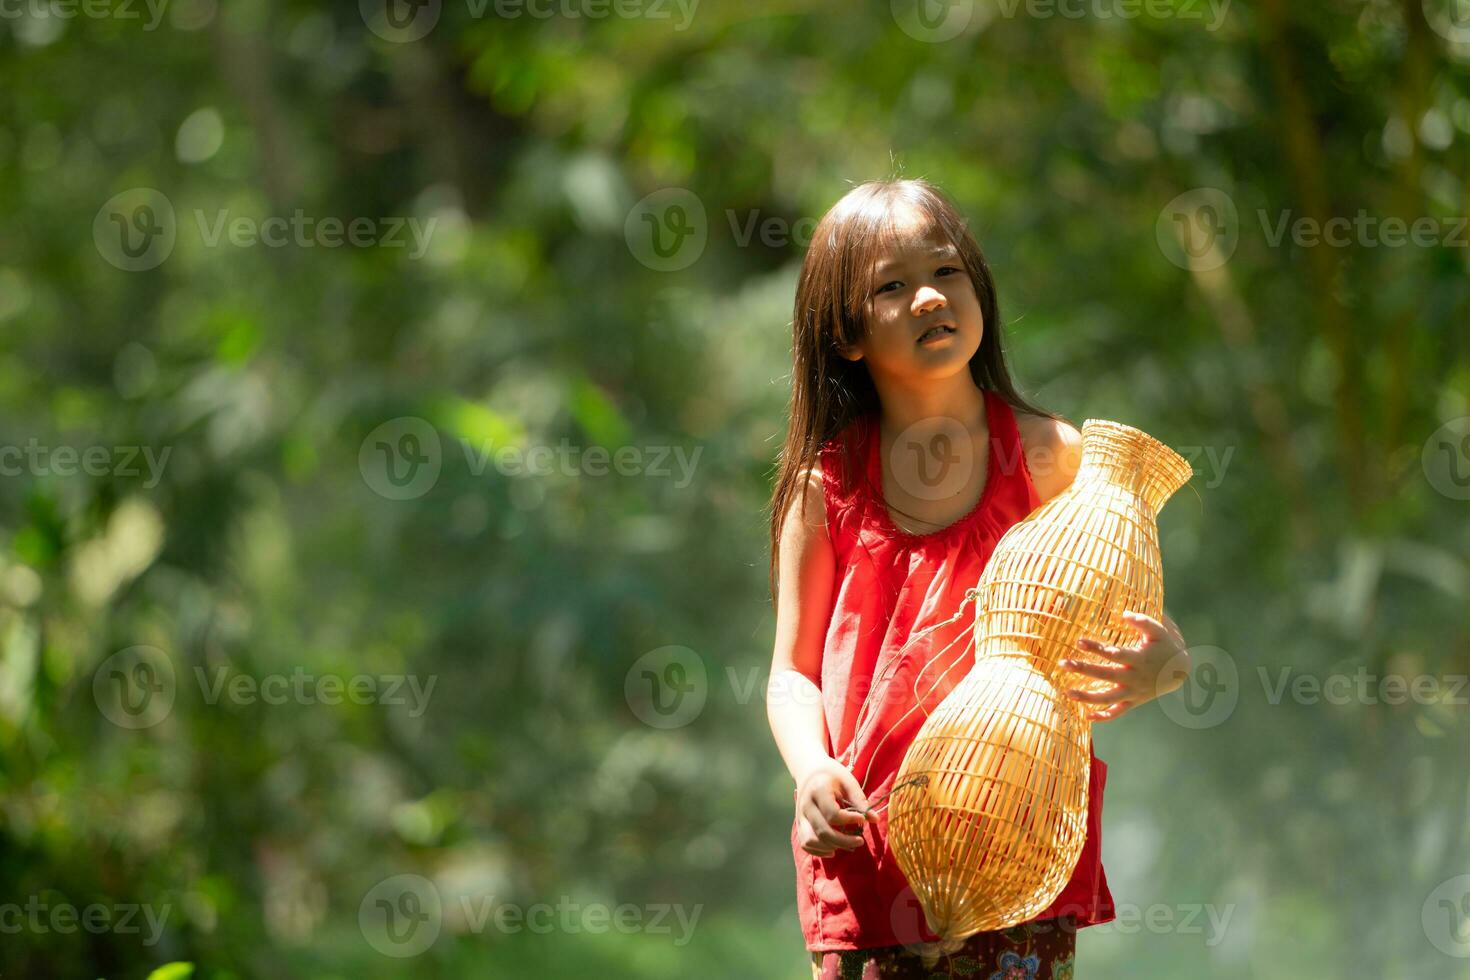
(1136,671)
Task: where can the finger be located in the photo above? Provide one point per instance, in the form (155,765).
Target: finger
(853,792)
(847,842)
(811,812)
(816,848)
(1108,714)
(1097,697)
(1105,672)
(1173,679)
(808,839)
(832,811)
(843,815)
(1122,655)
(830,836)
(1147,625)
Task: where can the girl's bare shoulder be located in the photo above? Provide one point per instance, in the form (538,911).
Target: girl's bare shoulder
(1053,450)
(809,505)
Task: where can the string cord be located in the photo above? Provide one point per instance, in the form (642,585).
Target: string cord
(970,596)
(922,779)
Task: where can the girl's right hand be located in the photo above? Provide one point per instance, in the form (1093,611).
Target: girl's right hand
(818,814)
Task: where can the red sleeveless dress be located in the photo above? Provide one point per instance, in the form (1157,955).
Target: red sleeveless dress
(889,585)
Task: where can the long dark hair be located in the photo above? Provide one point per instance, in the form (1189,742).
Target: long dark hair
(827,390)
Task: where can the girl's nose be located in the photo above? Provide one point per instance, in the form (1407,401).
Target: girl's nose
(928,298)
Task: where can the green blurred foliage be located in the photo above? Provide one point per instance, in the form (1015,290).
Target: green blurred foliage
(260,545)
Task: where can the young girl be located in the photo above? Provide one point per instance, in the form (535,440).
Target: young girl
(909,453)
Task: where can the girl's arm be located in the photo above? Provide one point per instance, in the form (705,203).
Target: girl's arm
(1053,453)
(794,697)
(804,603)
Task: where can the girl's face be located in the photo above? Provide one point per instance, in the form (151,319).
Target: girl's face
(917,285)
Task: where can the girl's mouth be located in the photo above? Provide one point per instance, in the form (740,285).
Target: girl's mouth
(936,333)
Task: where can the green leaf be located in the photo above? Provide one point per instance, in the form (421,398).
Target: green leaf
(476,424)
(172,971)
(597,415)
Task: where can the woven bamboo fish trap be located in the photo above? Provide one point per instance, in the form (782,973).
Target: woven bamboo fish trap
(988,813)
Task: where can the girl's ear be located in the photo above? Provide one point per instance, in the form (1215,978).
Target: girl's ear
(850,351)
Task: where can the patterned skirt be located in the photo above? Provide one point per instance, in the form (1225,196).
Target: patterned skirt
(1041,950)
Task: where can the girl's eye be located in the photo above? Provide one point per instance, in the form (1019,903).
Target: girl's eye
(943,270)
